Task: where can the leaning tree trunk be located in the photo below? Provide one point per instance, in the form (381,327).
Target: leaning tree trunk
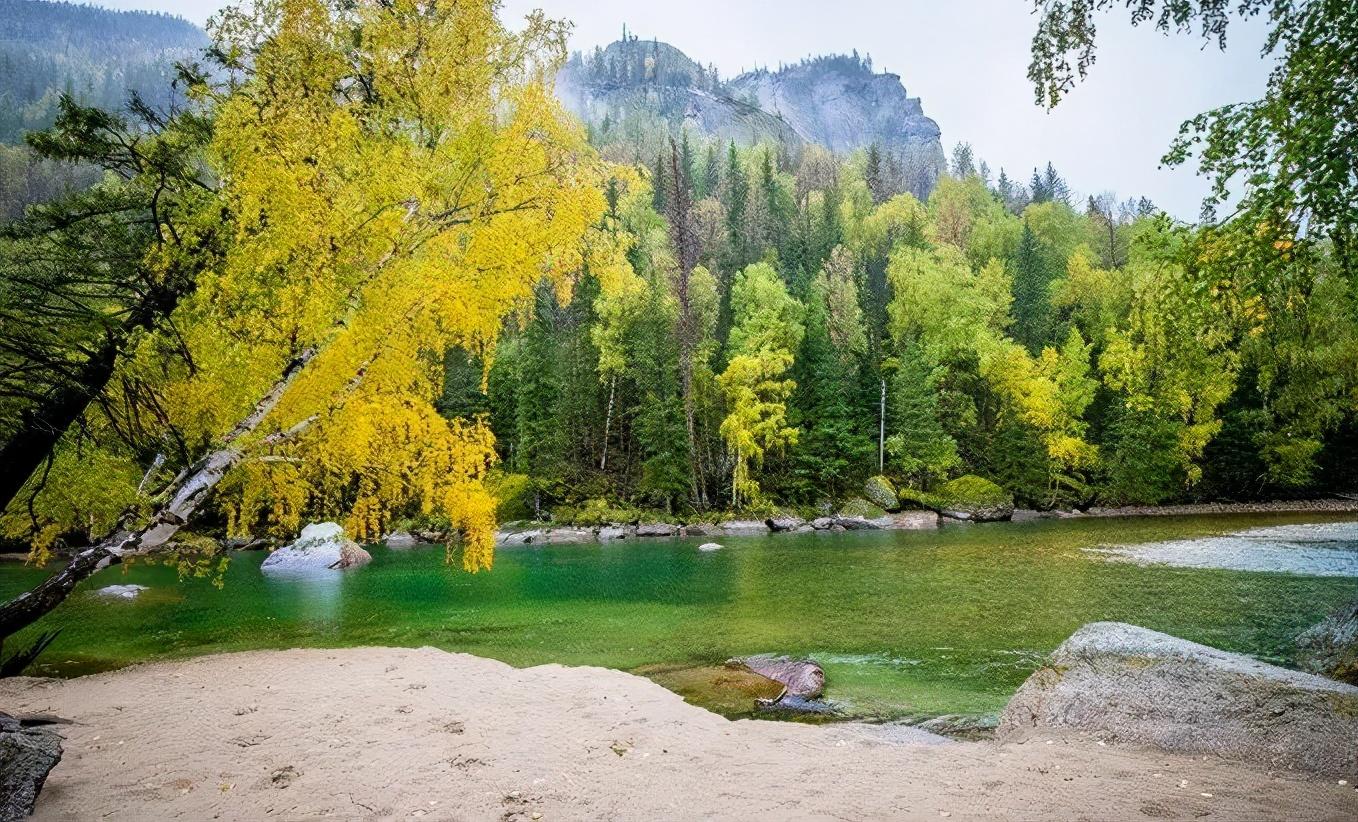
(188,491)
(41,427)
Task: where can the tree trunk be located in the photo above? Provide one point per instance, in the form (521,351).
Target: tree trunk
(41,427)
(188,491)
(881,430)
(608,420)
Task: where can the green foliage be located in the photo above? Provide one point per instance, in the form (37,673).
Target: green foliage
(859,507)
(921,449)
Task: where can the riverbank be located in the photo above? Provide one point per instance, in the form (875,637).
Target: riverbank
(378,733)
(548,533)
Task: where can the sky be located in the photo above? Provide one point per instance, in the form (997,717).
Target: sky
(967,60)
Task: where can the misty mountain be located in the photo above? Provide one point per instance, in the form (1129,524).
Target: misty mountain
(640,92)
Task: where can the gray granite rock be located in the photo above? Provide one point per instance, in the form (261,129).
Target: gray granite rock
(1119,682)
(320,548)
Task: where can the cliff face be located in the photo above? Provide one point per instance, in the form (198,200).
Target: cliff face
(633,88)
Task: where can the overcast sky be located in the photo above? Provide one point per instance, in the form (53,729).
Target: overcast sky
(967,60)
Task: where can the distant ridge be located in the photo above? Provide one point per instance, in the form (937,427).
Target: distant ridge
(642,86)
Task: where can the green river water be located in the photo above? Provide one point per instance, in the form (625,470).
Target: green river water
(947,621)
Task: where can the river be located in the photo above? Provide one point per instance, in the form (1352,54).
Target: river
(947,621)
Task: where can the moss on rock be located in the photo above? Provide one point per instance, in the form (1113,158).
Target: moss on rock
(882,493)
(969,497)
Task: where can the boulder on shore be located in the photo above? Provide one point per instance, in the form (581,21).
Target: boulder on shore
(1330,648)
(400,540)
(783,524)
(802,677)
(1125,683)
(880,492)
(970,498)
(321,547)
(744,526)
(27,756)
(613,533)
(657,529)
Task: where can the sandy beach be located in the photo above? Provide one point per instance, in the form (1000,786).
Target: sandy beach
(393,733)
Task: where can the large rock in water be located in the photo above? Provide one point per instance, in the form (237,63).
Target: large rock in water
(1331,647)
(27,756)
(1124,683)
(802,677)
(321,547)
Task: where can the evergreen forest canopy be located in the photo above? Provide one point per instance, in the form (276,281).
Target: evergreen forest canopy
(370,271)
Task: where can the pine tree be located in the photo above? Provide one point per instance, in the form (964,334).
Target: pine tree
(874,175)
(1032,308)
(540,436)
(919,447)
(711,172)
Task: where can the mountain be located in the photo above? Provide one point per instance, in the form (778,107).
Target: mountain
(95,54)
(641,92)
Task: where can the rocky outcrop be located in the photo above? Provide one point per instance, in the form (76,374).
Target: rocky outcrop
(801,677)
(1123,683)
(120,591)
(27,756)
(1330,648)
(838,102)
(882,493)
(321,547)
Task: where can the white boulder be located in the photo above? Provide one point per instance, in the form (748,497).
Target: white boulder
(321,547)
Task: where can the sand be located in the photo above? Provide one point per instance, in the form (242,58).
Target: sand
(392,733)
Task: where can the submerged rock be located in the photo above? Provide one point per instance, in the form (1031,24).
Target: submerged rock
(791,704)
(711,546)
(27,756)
(802,677)
(1125,683)
(1330,648)
(321,547)
(120,591)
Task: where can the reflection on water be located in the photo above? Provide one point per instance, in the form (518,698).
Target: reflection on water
(905,623)
(1328,549)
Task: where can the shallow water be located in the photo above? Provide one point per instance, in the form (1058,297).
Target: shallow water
(905,623)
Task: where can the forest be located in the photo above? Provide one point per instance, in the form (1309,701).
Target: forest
(384,325)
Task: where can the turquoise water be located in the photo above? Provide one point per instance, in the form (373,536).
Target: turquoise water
(905,623)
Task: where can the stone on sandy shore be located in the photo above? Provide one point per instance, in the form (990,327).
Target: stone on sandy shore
(1123,683)
(120,591)
(321,547)
(27,756)
(400,540)
(1330,648)
(657,529)
(802,677)
(711,546)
